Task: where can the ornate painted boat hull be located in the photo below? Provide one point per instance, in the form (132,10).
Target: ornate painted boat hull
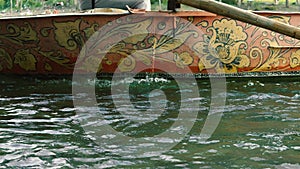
(198,43)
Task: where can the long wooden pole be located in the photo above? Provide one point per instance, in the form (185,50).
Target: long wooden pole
(244,16)
(11,6)
(21,5)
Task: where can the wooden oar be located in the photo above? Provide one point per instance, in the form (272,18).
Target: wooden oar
(244,16)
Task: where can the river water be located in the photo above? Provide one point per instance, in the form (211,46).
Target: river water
(40,127)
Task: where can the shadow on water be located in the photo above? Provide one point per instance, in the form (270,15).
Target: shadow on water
(259,129)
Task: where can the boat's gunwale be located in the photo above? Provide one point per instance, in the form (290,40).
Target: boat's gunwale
(148,13)
(61,15)
(200,13)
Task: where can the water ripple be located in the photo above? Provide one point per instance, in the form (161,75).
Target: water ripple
(39,127)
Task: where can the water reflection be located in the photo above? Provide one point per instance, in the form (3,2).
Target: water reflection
(40,128)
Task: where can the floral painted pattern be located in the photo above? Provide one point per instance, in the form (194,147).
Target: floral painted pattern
(224,49)
(219,45)
(20,34)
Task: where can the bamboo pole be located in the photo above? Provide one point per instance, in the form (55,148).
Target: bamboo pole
(244,16)
(11,6)
(21,5)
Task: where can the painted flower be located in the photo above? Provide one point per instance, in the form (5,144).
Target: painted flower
(224,49)
(25,60)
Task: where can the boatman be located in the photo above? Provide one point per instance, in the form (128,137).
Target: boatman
(121,4)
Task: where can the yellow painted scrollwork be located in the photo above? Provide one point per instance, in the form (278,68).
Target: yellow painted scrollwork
(68,35)
(295,59)
(48,67)
(20,34)
(275,59)
(56,57)
(174,38)
(169,41)
(130,56)
(91,64)
(183,59)
(127,64)
(90,30)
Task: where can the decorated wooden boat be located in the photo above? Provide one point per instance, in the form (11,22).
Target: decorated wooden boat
(53,44)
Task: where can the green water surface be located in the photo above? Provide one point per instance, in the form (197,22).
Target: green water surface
(260,127)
